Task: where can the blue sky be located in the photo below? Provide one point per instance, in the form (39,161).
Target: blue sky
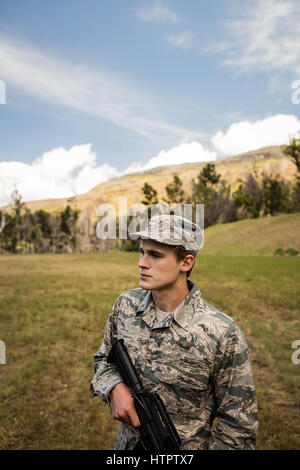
(96,89)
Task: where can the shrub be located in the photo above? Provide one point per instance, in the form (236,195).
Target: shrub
(291,252)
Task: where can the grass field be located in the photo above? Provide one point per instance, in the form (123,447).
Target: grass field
(254,236)
(53,310)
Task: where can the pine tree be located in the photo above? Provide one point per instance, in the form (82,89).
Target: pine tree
(150,195)
(174,191)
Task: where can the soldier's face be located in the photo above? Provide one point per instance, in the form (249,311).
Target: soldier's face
(158,265)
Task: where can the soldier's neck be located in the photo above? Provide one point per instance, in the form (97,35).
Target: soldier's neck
(169,297)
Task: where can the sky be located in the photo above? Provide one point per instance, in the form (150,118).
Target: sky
(91,90)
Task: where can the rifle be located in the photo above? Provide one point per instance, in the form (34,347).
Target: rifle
(157,430)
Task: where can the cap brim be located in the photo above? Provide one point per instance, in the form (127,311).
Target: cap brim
(144,235)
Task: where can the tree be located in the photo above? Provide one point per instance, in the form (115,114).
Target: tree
(213,192)
(203,191)
(208,175)
(18,205)
(174,191)
(68,219)
(263,195)
(249,197)
(35,236)
(9,234)
(150,195)
(222,208)
(2,225)
(293,151)
(42,218)
(275,195)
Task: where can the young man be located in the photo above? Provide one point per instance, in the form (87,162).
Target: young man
(195,357)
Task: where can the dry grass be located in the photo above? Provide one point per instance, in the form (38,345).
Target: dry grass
(53,310)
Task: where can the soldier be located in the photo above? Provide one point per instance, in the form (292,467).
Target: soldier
(194,356)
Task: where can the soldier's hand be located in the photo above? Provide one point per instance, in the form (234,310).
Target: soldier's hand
(122,405)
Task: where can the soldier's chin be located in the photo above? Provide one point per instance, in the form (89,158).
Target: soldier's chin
(145,282)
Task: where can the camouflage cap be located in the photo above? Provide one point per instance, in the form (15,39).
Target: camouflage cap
(172,230)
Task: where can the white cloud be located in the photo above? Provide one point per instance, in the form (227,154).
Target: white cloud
(157,13)
(184,153)
(57,173)
(245,136)
(182,40)
(65,173)
(97,92)
(264,35)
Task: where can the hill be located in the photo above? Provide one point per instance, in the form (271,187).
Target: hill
(253,236)
(271,160)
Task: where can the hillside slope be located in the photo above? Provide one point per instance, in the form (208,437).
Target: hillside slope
(268,159)
(253,236)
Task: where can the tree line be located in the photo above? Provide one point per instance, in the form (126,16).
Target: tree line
(25,232)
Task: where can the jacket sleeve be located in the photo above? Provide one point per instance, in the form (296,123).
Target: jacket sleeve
(106,375)
(235,397)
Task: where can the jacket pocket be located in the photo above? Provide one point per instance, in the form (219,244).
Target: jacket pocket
(183,384)
(186,372)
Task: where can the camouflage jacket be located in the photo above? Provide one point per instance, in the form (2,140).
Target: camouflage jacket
(196,360)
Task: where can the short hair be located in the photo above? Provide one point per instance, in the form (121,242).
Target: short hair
(180,253)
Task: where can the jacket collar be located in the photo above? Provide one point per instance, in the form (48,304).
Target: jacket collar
(183,315)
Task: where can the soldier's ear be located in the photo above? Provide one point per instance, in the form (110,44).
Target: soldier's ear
(188,262)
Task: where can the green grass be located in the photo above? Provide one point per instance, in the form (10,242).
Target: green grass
(260,237)
(53,310)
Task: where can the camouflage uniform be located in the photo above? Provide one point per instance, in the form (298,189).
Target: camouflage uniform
(195,358)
